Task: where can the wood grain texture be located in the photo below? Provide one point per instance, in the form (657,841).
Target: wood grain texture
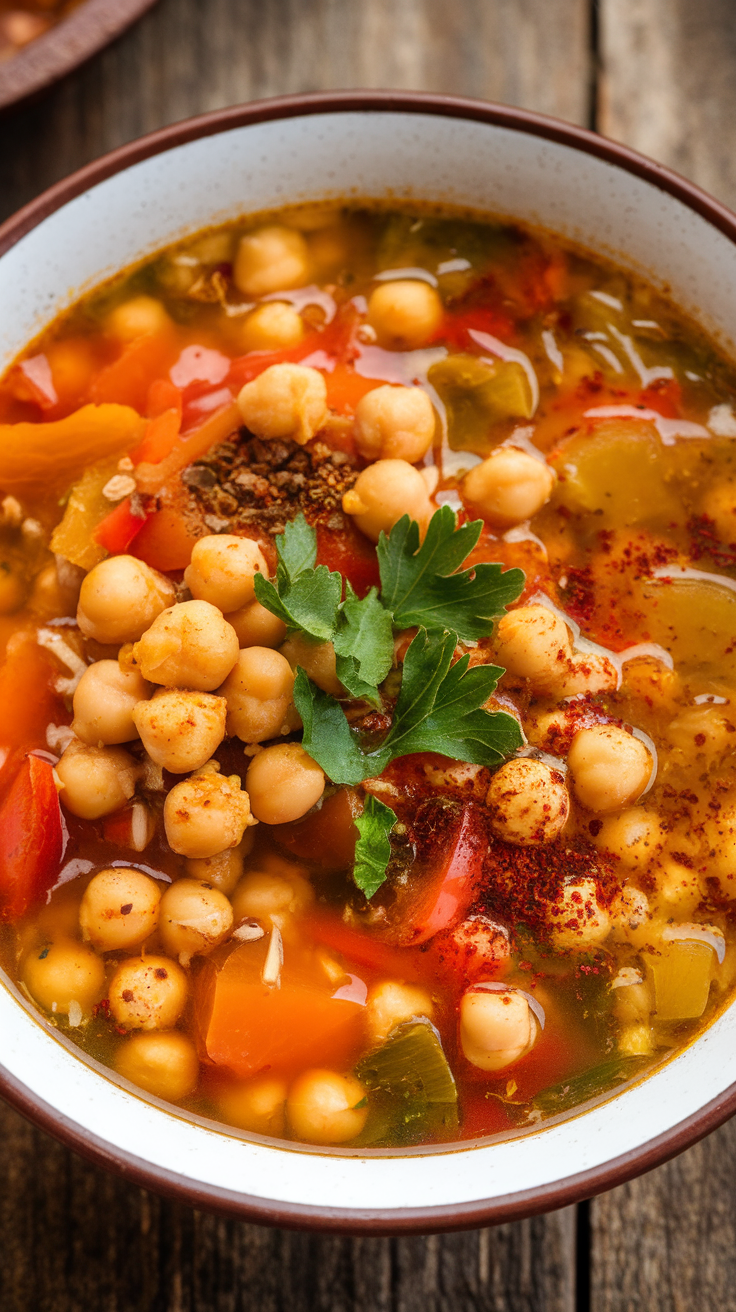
(75,1239)
(188,56)
(667,1242)
(667,84)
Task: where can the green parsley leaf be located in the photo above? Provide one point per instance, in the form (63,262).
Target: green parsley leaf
(439,710)
(364,645)
(439,707)
(420,584)
(327,737)
(304,597)
(373,848)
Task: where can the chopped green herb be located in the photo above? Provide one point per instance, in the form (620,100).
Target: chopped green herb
(373,848)
(364,645)
(305,597)
(420,584)
(598,1079)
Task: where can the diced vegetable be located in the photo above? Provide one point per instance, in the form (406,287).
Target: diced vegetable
(48,456)
(159,438)
(128,379)
(682,972)
(28,698)
(591,1083)
(164,541)
(327,835)
(31,838)
(412,1090)
(250,1026)
(86,507)
(152,477)
(118,529)
(477,394)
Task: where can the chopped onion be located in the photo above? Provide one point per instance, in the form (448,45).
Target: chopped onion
(494,986)
(75,1014)
(626,976)
(271,973)
(700,933)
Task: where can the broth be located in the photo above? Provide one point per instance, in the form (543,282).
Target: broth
(316,871)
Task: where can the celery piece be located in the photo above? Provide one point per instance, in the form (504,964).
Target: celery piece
(412,1058)
(682,972)
(478,394)
(589,1084)
(412,1093)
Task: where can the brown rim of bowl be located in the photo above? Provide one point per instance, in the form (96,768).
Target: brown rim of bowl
(373,1221)
(87,29)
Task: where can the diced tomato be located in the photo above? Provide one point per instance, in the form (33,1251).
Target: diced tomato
(164,541)
(439,894)
(328,835)
(141,363)
(345,388)
(455,328)
(163,396)
(249,1026)
(363,948)
(118,529)
(159,438)
(247,367)
(349,552)
(31,838)
(27,697)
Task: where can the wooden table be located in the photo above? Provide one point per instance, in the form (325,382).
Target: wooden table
(660,75)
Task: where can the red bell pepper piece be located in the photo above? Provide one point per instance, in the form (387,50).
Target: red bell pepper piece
(117,530)
(439,895)
(31,838)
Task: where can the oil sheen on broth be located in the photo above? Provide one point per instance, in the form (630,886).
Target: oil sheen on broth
(539,907)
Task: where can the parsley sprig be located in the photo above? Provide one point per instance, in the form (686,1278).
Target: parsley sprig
(440,707)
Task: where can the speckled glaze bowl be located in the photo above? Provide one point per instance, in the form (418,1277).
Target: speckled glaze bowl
(396,146)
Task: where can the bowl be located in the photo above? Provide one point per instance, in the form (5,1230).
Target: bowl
(398,146)
(87,29)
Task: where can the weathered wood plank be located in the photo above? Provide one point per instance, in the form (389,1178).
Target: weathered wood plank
(668,84)
(667,1242)
(186,57)
(75,1238)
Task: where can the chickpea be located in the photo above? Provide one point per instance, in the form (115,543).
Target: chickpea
(317,659)
(194,919)
(283,783)
(271,896)
(141,316)
(635,836)
(273,326)
(258,692)
(584,672)
(609,768)
(704,730)
(181,730)
(632,997)
(97,780)
(258,1106)
(324,1107)
(222,570)
(286,400)
(496,1028)
(509,487)
(119,909)
(148,993)
(162,1062)
(630,916)
(257,627)
(678,888)
(390,1003)
(478,945)
(395,423)
(532,643)
(383,493)
(190,645)
(120,598)
(719,833)
(404,314)
(529,802)
(577,918)
(104,701)
(271,259)
(206,814)
(223,870)
(62,974)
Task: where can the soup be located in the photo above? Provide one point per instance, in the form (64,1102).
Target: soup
(368,616)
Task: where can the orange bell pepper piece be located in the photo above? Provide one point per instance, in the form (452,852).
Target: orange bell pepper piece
(51,455)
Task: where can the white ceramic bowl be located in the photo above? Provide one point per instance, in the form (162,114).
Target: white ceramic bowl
(391,146)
